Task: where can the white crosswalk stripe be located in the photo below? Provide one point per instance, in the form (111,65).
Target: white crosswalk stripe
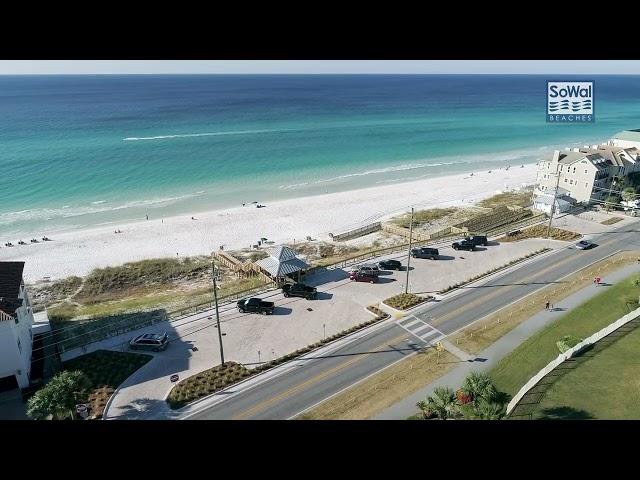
(420,329)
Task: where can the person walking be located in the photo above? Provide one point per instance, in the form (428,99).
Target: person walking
(546,306)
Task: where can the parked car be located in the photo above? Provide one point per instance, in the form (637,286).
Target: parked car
(150,341)
(425,252)
(256,305)
(584,245)
(390,265)
(478,240)
(464,245)
(299,290)
(370,269)
(361,277)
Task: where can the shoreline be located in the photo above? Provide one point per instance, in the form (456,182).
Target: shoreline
(77,252)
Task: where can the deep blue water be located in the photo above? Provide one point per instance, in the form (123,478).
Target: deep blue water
(78,151)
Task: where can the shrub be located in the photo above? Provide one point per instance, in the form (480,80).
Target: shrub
(567,342)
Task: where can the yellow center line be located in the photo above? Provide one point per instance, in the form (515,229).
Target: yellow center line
(312,381)
(500,291)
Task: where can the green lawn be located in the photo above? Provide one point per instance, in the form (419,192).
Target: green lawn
(106,370)
(514,370)
(606,386)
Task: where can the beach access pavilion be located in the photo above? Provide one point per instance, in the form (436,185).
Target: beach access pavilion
(282,263)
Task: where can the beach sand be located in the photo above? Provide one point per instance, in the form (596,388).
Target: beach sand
(78,252)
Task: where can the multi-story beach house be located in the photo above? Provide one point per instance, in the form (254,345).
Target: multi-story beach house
(574,176)
(626,138)
(16,320)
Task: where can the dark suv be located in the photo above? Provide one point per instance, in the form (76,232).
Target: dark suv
(150,341)
(390,265)
(464,245)
(425,252)
(478,240)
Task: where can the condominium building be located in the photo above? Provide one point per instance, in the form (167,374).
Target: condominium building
(579,176)
(16,320)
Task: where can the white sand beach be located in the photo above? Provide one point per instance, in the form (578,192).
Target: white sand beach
(78,252)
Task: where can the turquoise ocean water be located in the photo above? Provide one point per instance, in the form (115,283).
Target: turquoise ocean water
(82,151)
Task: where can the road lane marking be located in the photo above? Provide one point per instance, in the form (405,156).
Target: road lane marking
(312,381)
(501,290)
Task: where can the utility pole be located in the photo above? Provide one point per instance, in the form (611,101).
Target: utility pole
(215,299)
(553,203)
(406,287)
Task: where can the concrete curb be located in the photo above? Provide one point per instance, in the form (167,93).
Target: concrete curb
(281,369)
(113,395)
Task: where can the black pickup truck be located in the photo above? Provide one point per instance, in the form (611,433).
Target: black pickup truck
(255,305)
(299,290)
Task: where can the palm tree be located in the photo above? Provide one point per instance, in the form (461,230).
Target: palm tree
(489,410)
(480,387)
(442,403)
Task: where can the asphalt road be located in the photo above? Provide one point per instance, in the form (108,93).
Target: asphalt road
(315,379)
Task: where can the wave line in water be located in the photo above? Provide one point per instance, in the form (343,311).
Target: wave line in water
(208,134)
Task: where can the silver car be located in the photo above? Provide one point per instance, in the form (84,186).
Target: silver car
(584,245)
(150,341)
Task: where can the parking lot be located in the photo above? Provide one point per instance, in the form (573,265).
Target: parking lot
(296,322)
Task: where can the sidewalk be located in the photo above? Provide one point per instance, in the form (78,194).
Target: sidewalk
(489,357)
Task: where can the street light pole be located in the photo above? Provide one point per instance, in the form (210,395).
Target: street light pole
(406,287)
(215,299)
(553,203)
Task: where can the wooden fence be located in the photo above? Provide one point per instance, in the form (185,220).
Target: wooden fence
(358,232)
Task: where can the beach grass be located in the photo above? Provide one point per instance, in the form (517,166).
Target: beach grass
(520,198)
(515,369)
(421,217)
(145,286)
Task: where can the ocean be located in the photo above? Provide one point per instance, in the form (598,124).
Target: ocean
(82,151)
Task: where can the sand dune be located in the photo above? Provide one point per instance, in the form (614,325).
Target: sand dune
(78,252)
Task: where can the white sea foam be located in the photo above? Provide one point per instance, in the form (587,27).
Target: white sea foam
(67,211)
(208,134)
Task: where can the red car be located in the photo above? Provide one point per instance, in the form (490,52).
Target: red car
(358,277)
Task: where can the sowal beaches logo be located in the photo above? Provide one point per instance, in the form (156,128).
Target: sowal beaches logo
(570,102)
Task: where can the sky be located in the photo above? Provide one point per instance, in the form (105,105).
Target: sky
(43,67)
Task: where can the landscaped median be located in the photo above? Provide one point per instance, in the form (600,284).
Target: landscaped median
(405,301)
(480,335)
(220,377)
(493,270)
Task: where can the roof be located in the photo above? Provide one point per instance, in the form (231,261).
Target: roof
(616,155)
(282,261)
(632,135)
(10,282)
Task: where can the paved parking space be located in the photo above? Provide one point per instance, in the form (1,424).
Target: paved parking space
(430,276)
(252,338)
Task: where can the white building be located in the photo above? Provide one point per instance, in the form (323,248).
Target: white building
(626,138)
(584,177)
(543,203)
(16,320)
